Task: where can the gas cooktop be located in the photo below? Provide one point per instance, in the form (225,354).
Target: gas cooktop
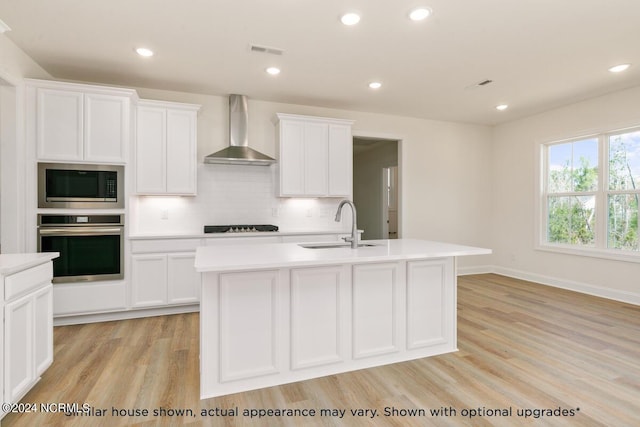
(239,228)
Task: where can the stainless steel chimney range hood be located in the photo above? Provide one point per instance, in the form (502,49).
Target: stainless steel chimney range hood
(238,152)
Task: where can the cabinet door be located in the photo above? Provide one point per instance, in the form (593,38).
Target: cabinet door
(292,158)
(340,160)
(249,325)
(184,280)
(106,128)
(377,306)
(149,280)
(19,356)
(181,152)
(151,140)
(43,329)
(316,157)
(59,132)
(319,316)
(430,298)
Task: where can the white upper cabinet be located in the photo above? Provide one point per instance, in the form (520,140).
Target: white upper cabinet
(107,128)
(151,153)
(60,125)
(75,122)
(166,148)
(315,156)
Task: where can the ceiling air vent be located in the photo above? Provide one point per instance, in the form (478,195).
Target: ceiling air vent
(481,83)
(265,49)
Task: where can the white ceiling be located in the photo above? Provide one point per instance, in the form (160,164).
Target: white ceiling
(540,54)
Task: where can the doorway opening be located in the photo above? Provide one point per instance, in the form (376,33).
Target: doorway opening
(376,189)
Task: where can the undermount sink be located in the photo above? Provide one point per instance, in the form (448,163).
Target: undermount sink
(332,245)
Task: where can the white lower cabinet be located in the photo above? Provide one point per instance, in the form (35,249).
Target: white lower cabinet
(19,357)
(27,330)
(183,285)
(149,276)
(78,299)
(43,329)
(164,279)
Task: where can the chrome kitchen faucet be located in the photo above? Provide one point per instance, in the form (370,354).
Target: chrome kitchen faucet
(354,229)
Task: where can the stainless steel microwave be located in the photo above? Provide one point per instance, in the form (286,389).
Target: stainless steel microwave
(80,186)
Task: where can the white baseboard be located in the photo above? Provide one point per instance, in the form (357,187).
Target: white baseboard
(613,294)
(481,269)
(123,315)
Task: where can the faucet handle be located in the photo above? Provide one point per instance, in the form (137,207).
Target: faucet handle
(347,238)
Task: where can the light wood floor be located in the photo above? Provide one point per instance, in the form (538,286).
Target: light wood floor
(522,346)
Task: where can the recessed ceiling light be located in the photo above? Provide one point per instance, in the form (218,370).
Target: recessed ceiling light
(143,51)
(502,107)
(4,27)
(619,68)
(375,85)
(350,19)
(420,14)
(274,71)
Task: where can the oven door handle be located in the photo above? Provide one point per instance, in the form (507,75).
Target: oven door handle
(76,231)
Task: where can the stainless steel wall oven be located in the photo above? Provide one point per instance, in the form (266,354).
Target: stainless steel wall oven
(80,186)
(91,246)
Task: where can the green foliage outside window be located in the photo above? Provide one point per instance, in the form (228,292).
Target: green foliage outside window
(571,219)
(623,208)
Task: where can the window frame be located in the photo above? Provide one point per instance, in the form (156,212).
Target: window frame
(600,248)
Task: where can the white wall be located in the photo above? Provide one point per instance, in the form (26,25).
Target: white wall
(515,147)
(14,66)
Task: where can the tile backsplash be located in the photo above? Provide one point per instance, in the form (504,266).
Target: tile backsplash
(233,194)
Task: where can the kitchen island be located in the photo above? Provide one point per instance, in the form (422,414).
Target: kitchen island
(277,313)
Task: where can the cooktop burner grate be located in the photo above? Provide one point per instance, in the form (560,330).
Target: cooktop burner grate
(239,228)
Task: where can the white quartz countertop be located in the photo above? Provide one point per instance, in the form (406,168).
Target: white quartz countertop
(282,255)
(151,236)
(13,263)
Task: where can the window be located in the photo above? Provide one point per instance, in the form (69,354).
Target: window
(590,192)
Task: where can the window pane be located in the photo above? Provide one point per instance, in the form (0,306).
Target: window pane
(558,224)
(624,161)
(573,166)
(571,220)
(559,168)
(585,165)
(623,222)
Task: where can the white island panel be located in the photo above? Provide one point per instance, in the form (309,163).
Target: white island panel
(318,298)
(430,302)
(248,325)
(375,309)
